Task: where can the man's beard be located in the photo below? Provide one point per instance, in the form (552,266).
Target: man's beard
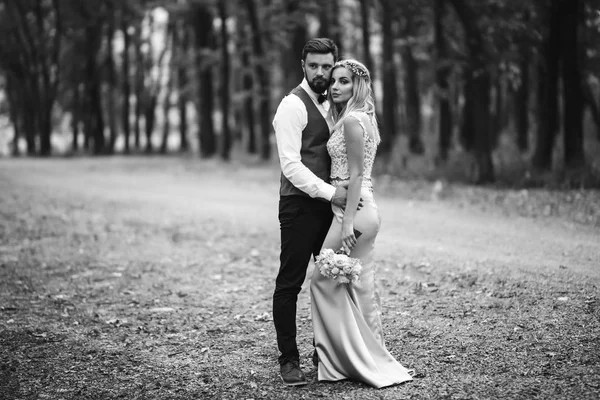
(318,85)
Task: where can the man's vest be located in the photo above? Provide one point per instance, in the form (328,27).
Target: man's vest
(313,152)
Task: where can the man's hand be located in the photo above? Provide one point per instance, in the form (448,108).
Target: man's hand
(339,198)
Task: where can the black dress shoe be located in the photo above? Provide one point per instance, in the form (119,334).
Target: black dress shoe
(315,358)
(291,374)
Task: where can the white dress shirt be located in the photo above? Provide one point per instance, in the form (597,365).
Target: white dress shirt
(290,120)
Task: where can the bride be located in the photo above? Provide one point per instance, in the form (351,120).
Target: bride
(346,317)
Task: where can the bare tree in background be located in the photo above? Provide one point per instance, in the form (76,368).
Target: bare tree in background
(443,68)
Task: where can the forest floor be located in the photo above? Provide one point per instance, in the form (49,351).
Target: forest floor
(151,278)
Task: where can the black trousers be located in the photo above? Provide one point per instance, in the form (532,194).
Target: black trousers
(304,223)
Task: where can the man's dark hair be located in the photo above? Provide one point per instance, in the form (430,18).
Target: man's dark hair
(320,45)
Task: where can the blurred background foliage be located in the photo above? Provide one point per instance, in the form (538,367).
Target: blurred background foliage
(473,90)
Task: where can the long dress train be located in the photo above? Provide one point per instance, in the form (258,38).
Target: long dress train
(346,317)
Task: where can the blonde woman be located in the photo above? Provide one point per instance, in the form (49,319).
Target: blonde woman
(346,317)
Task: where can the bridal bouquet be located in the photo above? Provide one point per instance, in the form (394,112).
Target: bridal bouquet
(338,266)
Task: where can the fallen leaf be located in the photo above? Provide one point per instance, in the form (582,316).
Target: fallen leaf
(263,317)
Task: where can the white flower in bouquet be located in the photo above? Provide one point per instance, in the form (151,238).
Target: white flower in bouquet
(338,266)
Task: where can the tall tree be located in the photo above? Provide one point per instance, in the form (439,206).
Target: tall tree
(296,35)
(126,79)
(154,61)
(13,94)
(571,12)
(93,119)
(76,115)
(365,12)
(411,86)
(390,86)
(182,48)
(170,43)
(263,80)
(330,22)
(547,91)
(522,94)
(443,69)
(111,77)
(225,82)
(205,45)
(138,85)
(31,58)
(249,91)
(476,112)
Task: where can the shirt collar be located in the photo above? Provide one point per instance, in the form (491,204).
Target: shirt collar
(304,85)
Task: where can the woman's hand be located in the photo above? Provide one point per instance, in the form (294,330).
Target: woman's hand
(348,237)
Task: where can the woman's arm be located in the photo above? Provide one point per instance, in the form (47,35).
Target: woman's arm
(355,149)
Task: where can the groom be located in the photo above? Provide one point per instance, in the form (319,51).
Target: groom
(302,124)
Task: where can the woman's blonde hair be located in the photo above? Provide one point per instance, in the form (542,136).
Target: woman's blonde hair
(362,99)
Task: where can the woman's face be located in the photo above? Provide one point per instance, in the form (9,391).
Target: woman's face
(341,85)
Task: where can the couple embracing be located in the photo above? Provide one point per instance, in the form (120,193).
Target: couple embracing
(327,146)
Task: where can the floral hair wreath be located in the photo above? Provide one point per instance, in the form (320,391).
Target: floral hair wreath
(355,68)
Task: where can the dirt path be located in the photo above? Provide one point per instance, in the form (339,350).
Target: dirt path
(247,197)
(152,278)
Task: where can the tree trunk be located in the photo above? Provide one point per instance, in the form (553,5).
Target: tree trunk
(390,87)
(181,46)
(477,112)
(225,73)
(97,117)
(126,83)
(481,123)
(76,118)
(44,99)
(297,37)
(248,85)
(149,119)
(572,82)
(522,99)
(467,130)
(330,22)
(365,8)
(443,70)
(27,115)
(590,101)
(496,98)
(413,100)
(205,44)
(30,128)
(14,104)
(172,30)
(112,80)
(263,81)
(166,123)
(547,96)
(94,122)
(138,86)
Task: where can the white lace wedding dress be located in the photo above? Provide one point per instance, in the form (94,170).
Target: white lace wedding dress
(347,317)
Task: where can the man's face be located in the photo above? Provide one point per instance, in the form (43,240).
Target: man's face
(317,70)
